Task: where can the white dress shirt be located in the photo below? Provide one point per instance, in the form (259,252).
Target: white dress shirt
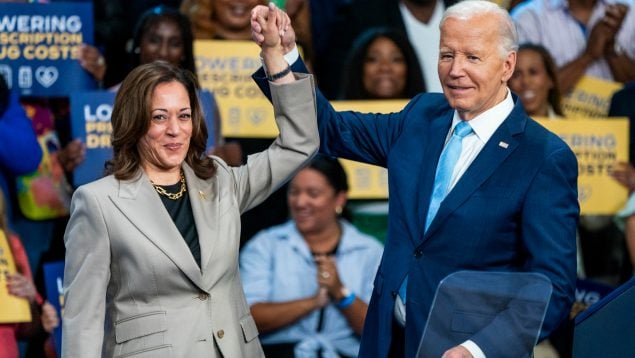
(424,38)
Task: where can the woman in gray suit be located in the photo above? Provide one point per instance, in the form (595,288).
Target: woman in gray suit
(152,249)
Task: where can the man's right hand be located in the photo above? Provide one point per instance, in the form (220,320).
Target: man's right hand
(286,30)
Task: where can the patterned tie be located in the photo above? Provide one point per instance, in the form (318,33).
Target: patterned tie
(445,168)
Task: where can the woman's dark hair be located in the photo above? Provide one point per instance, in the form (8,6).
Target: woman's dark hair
(152,17)
(353,84)
(131,118)
(332,170)
(335,175)
(554,96)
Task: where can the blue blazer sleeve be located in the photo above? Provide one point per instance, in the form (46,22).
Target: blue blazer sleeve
(363,137)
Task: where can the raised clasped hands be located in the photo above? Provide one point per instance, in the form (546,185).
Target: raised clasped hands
(271,26)
(263,31)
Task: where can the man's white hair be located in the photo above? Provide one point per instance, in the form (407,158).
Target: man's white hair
(467,9)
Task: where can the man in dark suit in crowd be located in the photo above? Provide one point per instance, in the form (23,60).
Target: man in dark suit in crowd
(474,183)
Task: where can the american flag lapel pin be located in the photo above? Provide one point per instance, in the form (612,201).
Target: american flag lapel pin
(503,144)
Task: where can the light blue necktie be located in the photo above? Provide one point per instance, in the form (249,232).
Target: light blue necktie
(443,177)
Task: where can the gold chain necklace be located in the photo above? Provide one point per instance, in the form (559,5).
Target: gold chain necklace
(171,196)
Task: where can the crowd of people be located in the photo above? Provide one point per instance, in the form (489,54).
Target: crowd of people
(270,251)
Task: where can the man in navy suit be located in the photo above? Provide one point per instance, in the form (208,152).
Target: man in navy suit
(512,196)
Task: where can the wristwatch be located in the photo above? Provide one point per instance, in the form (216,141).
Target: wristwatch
(345,292)
(617,49)
(348,298)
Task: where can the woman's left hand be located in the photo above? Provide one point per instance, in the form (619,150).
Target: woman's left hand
(20,286)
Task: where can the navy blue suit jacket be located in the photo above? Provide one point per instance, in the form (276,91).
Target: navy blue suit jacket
(514,209)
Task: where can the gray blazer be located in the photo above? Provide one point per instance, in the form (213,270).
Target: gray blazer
(131,285)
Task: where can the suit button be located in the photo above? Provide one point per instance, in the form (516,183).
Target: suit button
(203,296)
(418,253)
(220,334)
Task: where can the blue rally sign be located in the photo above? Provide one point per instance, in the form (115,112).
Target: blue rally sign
(90,122)
(39,47)
(53,282)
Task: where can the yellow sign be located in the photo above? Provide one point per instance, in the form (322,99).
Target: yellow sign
(12,308)
(225,68)
(598,144)
(590,98)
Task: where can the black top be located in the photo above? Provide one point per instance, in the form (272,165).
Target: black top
(180,211)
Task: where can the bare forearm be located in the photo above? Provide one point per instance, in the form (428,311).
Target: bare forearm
(272,316)
(571,73)
(276,64)
(356,315)
(622,67)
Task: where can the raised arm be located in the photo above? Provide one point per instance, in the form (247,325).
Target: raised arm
(273,28)
(293,98)
(352,135)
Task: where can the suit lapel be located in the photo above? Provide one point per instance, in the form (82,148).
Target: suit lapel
(205,207)
(500,146)
(140,203)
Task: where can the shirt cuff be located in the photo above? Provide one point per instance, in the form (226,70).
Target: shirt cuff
(290,57)
(474,349)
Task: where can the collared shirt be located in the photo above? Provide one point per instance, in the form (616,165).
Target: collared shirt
(277,266)
(484,125)
(424,38)
(549,23)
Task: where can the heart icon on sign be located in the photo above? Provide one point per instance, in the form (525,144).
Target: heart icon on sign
(46,76)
